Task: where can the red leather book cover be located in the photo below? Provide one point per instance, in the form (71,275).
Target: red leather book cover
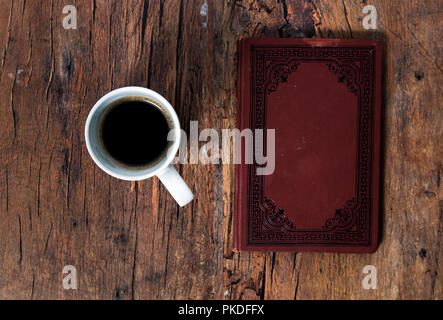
(323,98)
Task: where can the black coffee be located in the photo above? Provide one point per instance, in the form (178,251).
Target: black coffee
(134,132)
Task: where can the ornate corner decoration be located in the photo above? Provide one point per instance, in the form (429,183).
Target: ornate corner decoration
(343,217)
(279,73)
(345,74)
(276,218)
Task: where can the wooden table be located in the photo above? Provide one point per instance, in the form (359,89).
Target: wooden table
(130,240)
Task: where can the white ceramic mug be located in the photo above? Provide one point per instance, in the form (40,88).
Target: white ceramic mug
(162,168)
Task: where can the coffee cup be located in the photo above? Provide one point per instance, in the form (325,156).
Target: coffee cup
(127,137)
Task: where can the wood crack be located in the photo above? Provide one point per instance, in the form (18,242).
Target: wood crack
(29,64)
(177,55)
(346,18)
(47,241)
(32,285)
(272,265)
(20,241)
(68,174)
(263,282)
(14,118)
(167,251)
(296,286)
(7,189)
(8,39)
(38,190)
(144,21)
(23,10)
(136,243)
(51,74)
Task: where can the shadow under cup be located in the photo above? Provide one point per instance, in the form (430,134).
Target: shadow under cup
(110,164)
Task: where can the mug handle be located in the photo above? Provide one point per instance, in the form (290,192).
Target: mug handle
(176,185)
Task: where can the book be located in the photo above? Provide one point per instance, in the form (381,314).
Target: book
(322,98)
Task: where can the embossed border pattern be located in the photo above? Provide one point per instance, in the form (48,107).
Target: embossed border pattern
(350,225)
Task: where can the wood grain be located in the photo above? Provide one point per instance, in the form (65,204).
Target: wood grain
(130,240)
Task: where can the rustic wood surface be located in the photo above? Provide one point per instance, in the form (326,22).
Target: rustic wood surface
(130,240)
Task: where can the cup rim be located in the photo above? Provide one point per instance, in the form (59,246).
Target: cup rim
(135,175)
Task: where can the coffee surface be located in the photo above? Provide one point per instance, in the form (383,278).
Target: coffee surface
(135,132)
